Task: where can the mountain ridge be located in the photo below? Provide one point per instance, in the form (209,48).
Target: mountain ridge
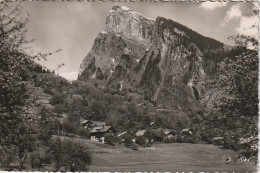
(156,58)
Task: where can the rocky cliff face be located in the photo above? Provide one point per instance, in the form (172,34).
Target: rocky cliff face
(161,59)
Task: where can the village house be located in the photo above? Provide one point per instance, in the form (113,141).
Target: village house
(124,135)
(98,133)
(218,140)
(154,125)
(168,134)
(140,133)
(160,135)
(98,129)
(87,124)
(186,131)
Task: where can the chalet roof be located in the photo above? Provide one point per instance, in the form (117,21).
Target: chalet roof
(87,121)
(95,123)
(186,130)
(140,132)
(100,129)
(152,123)
(218,138)
(99,123)
(167,131)
(140,104)
(121,134)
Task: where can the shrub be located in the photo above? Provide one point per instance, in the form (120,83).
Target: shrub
(188,139)
(57,98)
(205,136)
(169,140)
(69,127)
(73,155)
(227,142)
(111,139)
(134,146)
(179,138)
(140,140)
(47,125)
(72,123)
(36,161)
(128,141)
(235,146)
(48,90)
(157,135)
(5,161)
(83,132)
(59,109)
(197,138)
(143,141)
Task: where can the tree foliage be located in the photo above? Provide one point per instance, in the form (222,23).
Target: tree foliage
(73,155)
(16,133)
(19,130)
(238,84)
(232,100)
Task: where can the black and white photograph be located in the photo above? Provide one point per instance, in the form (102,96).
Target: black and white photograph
(129,86)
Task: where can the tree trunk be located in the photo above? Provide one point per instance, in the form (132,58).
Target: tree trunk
(21,161)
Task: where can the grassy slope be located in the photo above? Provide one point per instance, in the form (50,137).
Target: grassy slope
(165,157)
(169,157)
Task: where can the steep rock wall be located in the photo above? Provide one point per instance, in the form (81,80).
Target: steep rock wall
(159,58)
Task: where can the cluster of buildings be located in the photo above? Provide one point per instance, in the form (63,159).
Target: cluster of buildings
(98,130)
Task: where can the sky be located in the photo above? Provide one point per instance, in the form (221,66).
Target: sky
(73,26)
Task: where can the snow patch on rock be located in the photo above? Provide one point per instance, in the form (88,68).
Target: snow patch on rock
(93,76)
(125,8)
(103,32)
(113,60)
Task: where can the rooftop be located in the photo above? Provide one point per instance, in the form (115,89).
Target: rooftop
(140,132)
(100,129)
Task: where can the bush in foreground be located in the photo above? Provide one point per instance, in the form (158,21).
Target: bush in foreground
(72,155)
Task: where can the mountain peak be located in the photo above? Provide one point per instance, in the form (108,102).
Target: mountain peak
(123,21)
(123,9)
(118,7)
(157,58)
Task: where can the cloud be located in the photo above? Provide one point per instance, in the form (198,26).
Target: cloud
(245,23)
(212,5)
(233,13)
(256,5)
(246,28)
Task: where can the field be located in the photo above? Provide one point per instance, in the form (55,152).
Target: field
(166,157)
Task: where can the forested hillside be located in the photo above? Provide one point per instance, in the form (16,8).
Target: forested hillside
(26,125)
